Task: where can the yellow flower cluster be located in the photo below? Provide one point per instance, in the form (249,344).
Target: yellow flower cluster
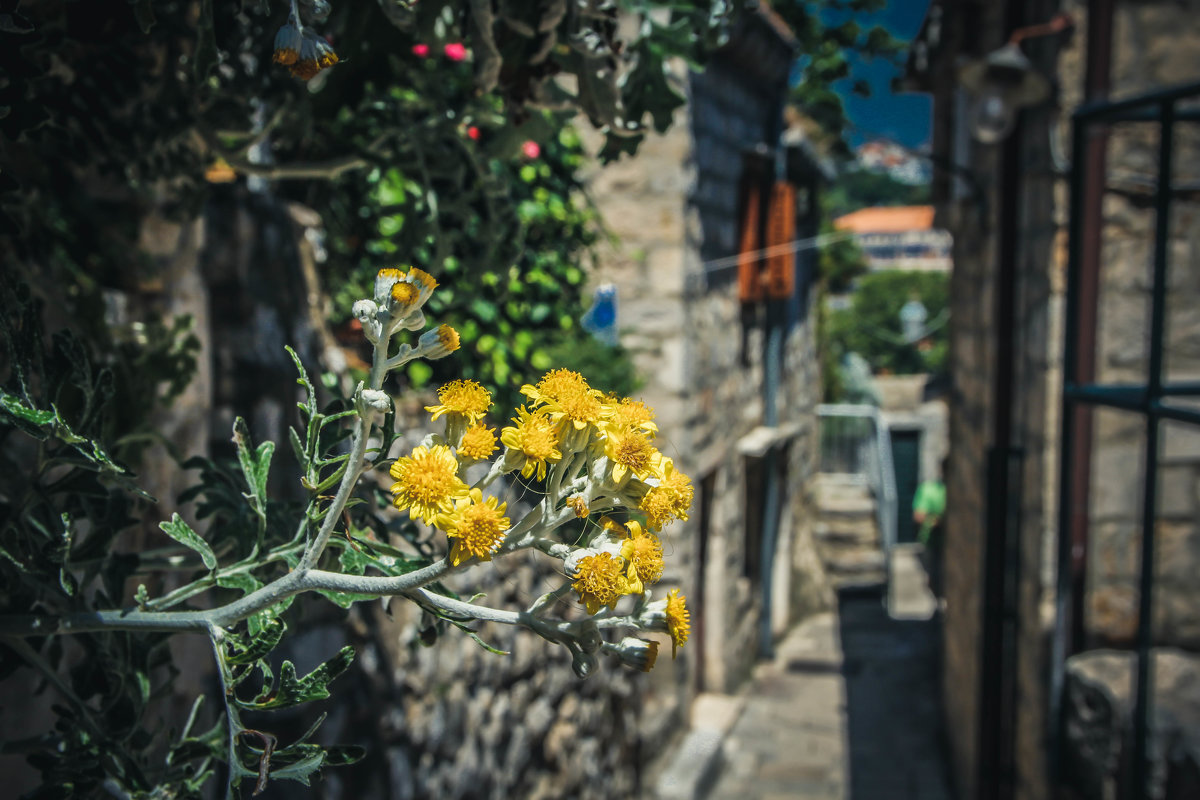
(593,453)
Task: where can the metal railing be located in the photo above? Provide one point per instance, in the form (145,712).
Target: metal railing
(856,447)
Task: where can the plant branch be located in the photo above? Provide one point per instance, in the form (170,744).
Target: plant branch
(296,582)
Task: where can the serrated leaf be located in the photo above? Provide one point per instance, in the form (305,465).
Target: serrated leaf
(18,410)
(181,532)
(292,690)
(259,645)
(256,464)
(343,755)
(302,769)
(256,623)
(239,580)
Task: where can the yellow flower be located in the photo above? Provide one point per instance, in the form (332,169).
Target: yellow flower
(448,337)
(643,550)
(630,451)
(477,527)
(678,620)
(478,443)
(566,396)
(404,294)
(463,397)
(439,342)
(670,499)
(578,504)
(427,482)
(627,413)
(426,281)
(536,437)
(600,581)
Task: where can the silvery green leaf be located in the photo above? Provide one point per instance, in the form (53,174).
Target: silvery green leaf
(181,532)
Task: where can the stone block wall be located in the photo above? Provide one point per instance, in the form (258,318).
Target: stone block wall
(1150,43)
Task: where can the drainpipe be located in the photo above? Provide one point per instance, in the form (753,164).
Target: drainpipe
(776,317)
(1079,367)
(1097,83)
(1001,567)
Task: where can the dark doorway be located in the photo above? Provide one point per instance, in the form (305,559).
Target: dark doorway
(906,457)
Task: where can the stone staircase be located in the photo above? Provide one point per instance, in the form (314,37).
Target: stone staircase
(847,535)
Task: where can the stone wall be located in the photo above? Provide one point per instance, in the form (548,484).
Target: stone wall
(1152,42)
(675,211)
(1154,46)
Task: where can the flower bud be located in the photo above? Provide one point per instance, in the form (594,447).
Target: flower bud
(582,663)
(377,400)
(637,653)
(366,312)
(439,342)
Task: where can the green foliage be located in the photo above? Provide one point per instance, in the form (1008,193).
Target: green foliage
(871,326)
(828,40)
(841,262)
(862,188)
(67,503)
(67,508)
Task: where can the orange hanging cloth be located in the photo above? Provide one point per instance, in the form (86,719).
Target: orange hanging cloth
(750,289)
(780,277)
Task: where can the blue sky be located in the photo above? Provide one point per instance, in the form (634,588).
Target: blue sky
(904,118)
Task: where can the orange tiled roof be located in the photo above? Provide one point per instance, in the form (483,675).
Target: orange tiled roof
(886,219)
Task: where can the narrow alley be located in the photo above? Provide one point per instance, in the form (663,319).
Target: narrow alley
(848,708)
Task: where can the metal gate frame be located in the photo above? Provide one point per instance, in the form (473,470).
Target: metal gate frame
(1152,399)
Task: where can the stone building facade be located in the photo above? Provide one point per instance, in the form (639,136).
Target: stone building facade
(678,210)
(1007,208)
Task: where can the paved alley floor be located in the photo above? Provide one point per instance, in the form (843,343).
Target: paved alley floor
(847,710)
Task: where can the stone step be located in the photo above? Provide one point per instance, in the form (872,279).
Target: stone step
(856,562)
(842,506)
(843,532)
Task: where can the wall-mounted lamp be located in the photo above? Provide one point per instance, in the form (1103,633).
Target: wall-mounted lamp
(1004,81)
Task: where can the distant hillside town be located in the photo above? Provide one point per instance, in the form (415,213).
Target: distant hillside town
(899,163)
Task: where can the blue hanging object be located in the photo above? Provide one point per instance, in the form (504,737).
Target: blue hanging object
(601,319)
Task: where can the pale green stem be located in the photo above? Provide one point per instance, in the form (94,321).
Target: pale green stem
(232,722)
(358,449)
(556,633)
(208,581)
(293,583)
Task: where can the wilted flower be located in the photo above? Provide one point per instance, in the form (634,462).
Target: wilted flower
(288,41)
(637,653)
(315,55)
